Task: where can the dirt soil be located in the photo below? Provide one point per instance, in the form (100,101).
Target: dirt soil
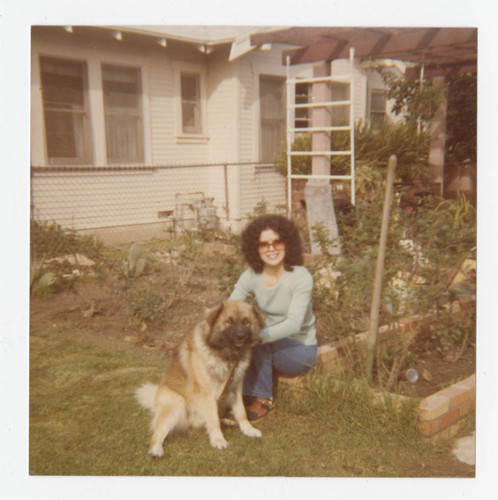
(150,313)
(437,367)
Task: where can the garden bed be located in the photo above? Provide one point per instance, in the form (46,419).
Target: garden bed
(445,386)
(152,310)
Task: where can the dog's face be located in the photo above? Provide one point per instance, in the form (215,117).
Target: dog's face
(234,327)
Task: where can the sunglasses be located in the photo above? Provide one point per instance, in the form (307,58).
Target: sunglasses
(264,246)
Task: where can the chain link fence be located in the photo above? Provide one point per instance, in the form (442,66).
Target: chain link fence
(122,205)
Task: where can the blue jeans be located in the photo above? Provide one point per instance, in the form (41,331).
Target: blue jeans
(287,356)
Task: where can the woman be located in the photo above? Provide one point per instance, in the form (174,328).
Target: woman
(282,287)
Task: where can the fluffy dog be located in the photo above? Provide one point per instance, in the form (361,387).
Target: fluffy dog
(204,380)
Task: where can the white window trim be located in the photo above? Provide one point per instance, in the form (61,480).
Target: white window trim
(95,97)
(258,151)
(182,137)
(38,114)
(263,68)
(379,90)
(144,75)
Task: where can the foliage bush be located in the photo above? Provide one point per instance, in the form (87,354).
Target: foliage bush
(373,147)
(461,119)
(440,233)
(49,239)
(419,103)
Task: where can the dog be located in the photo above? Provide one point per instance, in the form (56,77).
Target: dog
(204,381)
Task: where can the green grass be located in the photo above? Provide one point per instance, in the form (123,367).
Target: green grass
(85,421)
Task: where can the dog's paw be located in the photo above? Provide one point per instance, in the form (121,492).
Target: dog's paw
(249,430)
(218,442)
(156,451)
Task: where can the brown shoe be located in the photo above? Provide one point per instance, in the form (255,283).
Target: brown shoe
(248,400)
(259,408)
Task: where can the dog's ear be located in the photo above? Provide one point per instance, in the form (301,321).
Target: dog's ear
(213,313)
(259,316)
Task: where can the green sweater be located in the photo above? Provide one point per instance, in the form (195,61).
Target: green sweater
(287,305)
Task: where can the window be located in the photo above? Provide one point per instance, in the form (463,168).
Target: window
(340,114)
(65,109)
(303,96)
(272,113)
(378,100)
(123,114)
(190,88)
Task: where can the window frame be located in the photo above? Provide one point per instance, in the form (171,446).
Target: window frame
(185,136)
(302,97)
(376,112)
(139,114)
(192,102)
(282,80)
(87,157)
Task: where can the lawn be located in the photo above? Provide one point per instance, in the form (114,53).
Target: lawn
(99,331)
(85,421)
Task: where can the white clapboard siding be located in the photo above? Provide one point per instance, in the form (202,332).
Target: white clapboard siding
(261,186)
(89,199)
(104,199)
(221,113)
(162,113)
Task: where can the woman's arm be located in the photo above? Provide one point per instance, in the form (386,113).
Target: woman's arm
(243,287)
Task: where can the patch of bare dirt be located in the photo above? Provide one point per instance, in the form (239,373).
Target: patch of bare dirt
(151,312)
(439,367)
(148,313)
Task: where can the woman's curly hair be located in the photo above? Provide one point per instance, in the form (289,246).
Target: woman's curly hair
(286,230)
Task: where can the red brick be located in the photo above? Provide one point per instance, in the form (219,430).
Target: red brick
(467,407)
(468,385)
(434,406)
(449,418)
(457,396)
(326,353)
(429,427)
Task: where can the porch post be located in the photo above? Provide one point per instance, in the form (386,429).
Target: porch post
(318,192)
(438,141)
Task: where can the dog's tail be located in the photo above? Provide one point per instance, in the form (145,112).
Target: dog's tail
(146,395)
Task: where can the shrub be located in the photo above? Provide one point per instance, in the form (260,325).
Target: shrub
(49,239)
(373,147)
(461,118)
(442,234)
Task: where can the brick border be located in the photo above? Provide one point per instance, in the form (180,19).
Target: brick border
(441,413)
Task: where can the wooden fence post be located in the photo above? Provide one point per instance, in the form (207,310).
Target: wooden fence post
(377,288)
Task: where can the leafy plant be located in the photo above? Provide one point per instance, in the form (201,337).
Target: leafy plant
(418,101)
(300,165)
(136,261)
(461,118)
(45,284)
(49,239)
(442,233)
(373,147)
(144,304)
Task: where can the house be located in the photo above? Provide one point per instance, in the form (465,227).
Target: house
(136,131)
